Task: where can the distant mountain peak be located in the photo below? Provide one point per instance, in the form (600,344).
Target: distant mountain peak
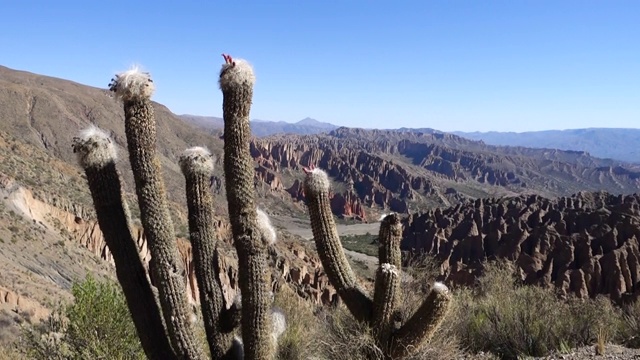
(315,123)
(309,121)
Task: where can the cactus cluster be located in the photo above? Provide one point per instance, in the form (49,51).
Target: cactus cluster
(379,312)
(159,309)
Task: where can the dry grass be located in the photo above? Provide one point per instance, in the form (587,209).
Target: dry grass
(601,341)
(510,320)
(345,338)
(629,330)
(10,353)
(298,342)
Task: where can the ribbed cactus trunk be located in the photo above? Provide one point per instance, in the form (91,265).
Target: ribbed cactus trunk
(385,301)
(334,260)
(379,314)
(197,167)
(236,83)
(389,238)
(423,324)
(135,89)
(387,285)
(96,153)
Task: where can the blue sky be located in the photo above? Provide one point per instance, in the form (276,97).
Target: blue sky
(450,65)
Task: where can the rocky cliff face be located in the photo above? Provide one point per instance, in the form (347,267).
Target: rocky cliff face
(586,244)
(374,171)
(291,263)
(402,171)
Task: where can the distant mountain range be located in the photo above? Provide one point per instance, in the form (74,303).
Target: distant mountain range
(619,144)
(306,126)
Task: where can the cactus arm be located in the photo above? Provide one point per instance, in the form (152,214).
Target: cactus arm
(96,154)
(325,234)
(135,88)
(423,324)
(389,238)
(197,167)
(236,83)
(386,292)
(385,300)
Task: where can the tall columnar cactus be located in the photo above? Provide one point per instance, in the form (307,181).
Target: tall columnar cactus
(97,155)
(135,88)
(236,83)
(379,313)
(197,166)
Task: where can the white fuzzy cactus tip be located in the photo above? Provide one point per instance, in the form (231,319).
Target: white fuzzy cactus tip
(267,230)
(317,180)
(197,161)
(389,269)
(440,288)
(94,148)
(236,73)
(133,84)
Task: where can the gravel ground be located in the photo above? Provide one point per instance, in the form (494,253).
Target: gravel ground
(612,352)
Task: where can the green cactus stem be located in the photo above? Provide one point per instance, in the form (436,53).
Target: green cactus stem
(334,260)
(97,155)
(389,238)
(134,88)
(197,167)
(385,301)
(423,324)
(236,82)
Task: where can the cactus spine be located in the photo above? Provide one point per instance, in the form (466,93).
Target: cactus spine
(379,313)
(197,167)
(135,88)
(97,154)
(236,83)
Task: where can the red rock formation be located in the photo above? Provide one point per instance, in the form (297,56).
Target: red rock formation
(348,205)
(266,176)
(586,244)
(83,230)
(371,180)
(401,170)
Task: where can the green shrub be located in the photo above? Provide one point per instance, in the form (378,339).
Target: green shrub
(100,325)
(97,325)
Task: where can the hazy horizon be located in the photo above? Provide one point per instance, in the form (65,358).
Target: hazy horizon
(450,66)
(416,127)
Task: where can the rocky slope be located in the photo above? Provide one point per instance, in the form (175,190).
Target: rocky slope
(48,233)
(30,282)
(586,244)
(374,170)
(404,171)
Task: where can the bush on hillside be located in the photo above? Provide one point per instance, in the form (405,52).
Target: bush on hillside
(97,325)
(513,320)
